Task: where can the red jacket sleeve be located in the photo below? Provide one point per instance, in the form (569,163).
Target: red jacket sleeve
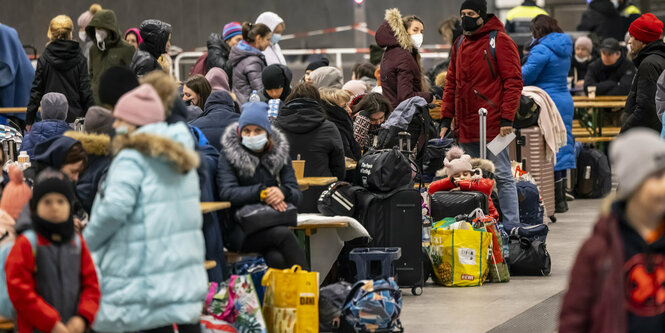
(448,101)
(90,293)
(510,70)
(30,307)
(483,185)
(441,185)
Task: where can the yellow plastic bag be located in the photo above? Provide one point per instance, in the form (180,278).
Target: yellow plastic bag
(460,257)
(291,302)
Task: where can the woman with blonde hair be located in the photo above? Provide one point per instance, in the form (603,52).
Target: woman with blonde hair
(336,108)
(63,69)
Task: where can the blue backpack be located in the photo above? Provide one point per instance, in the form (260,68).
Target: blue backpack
(531,206)
(373,306)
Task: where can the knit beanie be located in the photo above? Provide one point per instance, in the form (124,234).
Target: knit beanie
(231,29)
(54,106)
(636,156)
(323,62)
(273,77)
(647,28)
(115,82)
(51,181)
(478,6)
(136,33)
(355,87)
(584,42)
(141,106)
(218,79)
(254,113)
(327,77)
(99,120)
(85,18)
(16,194)
(457,161)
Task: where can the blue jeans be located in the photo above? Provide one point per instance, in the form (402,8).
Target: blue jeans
(505,182)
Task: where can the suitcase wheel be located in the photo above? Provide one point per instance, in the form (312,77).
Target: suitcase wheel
(417,290)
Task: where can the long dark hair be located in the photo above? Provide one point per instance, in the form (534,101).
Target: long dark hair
(543,25)
(251,30)
(373,103)
(201,87)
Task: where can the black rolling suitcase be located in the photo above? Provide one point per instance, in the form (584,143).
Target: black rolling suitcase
(454,203)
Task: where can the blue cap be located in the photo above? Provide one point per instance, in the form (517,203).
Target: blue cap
(254,113)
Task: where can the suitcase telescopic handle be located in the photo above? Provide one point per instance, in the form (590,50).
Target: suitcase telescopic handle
(482,114)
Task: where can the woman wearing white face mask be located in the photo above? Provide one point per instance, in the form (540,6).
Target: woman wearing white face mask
(255,167)
(401,72)
(273,52)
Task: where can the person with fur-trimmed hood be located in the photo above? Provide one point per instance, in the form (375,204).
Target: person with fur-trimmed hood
(458,166)
(255,167)
(401,73)
(148,206)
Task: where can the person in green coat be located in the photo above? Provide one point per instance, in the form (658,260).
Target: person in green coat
(108,50)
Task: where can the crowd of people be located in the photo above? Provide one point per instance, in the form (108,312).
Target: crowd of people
(112,210)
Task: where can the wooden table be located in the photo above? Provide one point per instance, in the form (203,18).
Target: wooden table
(14,110)
(209,207)
(306,182)
(599,98)
(307,228)
(351,165)
(210,264)
(595,107)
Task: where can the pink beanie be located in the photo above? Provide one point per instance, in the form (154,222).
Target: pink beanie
(140,106)
(218,79)
(457,161)
(355,87)
(16,194)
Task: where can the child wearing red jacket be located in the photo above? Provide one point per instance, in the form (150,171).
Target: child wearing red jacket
(53,289)
(463,177)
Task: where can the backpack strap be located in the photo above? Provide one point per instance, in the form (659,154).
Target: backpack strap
(32,238)
(459,42)
(493,35)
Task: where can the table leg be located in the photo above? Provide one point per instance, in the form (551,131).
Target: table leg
(594,122)
(303,240)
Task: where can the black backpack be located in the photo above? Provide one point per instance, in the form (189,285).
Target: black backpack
(594,177)
(339,199)
(384,170)
(528,113)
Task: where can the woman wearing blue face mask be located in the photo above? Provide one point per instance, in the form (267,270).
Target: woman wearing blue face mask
(276,24)
(255,167)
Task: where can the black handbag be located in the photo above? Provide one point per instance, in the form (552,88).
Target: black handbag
(384,170)
(339,199)
(527,114)
(528,258)
(256,217)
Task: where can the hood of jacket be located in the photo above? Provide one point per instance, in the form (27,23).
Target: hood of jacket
(247,162)
(336,114)
(155,34)
(63,54)
(173,144)
(493,23)
(218,100)
(392,32)
(215,42)
(301,115)
(93,144)
(604,7)
(52,151)
(657,48)
(105,19)
(270,19)
(242,51)
(559,43)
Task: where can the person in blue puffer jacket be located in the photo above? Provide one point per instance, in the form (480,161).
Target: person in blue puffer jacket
(145,228)
(218,113)
(547,68)
(54,112)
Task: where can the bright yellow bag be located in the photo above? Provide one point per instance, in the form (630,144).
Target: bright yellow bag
(291,301)
(460,257)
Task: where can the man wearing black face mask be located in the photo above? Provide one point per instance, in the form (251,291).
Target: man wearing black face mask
(484,72)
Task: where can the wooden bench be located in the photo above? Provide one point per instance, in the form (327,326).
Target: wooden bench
(210,264)
(6,326)
(209,207)
(594,139)
(605,131)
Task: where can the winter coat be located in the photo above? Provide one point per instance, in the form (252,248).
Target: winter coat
(483,185)
(519,18)
(248,63)
(604,20)
(17,73)
(155,35)
(401,76)
(98,148)
(117,52)
(218,56)
(145,232)
(640,110)
(62,68)
(35,277)
(660,96)
(474,75)
(273,52)
(314,138)
(218,114)
(42,131)
(344,124)
(242,175)
(612,80)
(547,68)
(578,69)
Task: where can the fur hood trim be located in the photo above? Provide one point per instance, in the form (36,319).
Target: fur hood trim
(93,144)
(245,162)
(394,19)
(156,146)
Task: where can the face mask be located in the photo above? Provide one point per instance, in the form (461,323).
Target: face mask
(82,36)
(417,40)
(470,23)
(255,143)
(275,38)
(122,130)
(100,35)
(581,59)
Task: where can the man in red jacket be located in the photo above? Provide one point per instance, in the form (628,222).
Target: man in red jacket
(484,72)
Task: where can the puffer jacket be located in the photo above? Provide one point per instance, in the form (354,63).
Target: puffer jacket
(640,110)
(42,131)
(155,34)
(62,68)
(401,76)
(248,64)
(218,56)
(145,232)
(98,148)
(242,175)
(547,68)
(344,123)
(218,114)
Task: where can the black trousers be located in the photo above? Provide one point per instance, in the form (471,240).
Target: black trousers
(278,246)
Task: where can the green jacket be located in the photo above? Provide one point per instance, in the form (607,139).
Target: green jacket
(117,52)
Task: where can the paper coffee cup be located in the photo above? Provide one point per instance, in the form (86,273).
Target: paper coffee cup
(591,91)
(299,168)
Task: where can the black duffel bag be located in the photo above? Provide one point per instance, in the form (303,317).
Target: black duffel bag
(339,199)
(527,114)
(528,258)
(384,170)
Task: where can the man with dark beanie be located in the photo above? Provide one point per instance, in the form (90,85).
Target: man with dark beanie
(114,83)
(276,82)
(648,52)
(484,72)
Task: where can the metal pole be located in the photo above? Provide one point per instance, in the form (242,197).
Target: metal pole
(360,38)
(482,114)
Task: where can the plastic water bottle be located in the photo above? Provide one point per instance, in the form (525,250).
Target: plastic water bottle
(254,97)
(23,160)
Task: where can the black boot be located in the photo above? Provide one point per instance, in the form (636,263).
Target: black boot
(560,196)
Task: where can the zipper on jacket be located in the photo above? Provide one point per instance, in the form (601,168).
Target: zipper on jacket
(484,98)
(489,64)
